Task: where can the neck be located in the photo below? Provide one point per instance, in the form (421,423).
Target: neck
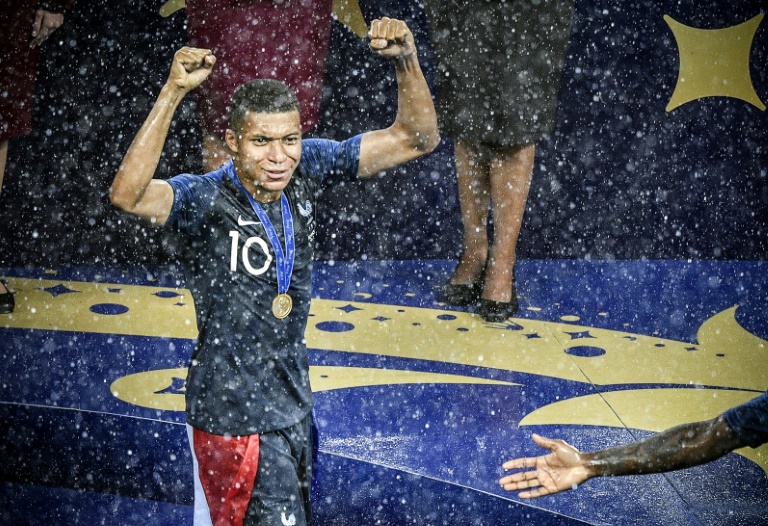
(257,192)
(263,196)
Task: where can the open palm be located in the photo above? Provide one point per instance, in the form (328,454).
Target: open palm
(560,470)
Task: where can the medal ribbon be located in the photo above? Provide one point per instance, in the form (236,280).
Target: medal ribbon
(284,259)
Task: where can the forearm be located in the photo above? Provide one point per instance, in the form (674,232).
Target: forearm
(416,117)
(140,162)
(676,448)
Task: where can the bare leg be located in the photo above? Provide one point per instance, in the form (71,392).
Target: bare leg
(475,200)
(510,175)
(215,153)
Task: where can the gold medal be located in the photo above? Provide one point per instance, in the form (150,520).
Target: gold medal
(281,306)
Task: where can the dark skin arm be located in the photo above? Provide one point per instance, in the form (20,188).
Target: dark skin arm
(565,467)
(414,131)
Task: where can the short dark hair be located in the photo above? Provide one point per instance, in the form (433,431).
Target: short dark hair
(260,96)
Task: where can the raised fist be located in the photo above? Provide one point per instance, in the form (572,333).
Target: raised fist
(391,38)
(190,67)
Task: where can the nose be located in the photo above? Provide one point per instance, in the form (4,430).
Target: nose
(277,152)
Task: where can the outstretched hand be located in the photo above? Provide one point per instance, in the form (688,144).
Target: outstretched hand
(391,38)
(190,67)
(562,469)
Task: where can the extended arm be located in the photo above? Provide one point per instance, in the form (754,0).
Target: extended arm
(134,189)
(565,468)
(414,131)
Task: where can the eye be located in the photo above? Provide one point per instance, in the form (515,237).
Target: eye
(260,141)
(291,140)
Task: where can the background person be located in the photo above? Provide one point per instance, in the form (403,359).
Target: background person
(24,26)
(284,40)
(497,73)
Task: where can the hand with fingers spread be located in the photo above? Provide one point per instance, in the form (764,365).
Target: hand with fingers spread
(43,26)
(391,38)
(560,470)
(190,67)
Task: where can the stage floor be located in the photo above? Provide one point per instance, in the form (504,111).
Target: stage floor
(417,403)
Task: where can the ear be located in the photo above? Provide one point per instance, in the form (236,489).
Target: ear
(231,138)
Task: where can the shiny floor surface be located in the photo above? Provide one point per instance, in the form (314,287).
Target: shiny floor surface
(417,403)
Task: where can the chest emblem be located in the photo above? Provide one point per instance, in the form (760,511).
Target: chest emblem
(305,212)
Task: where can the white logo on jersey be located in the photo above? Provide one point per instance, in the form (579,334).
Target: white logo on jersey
(243,222)
(235,235)
(305,211)
(287,521)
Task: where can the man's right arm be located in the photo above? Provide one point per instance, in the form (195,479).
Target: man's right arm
(134,188)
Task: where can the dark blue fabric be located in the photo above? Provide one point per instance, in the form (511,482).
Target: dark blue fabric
(750,420)
(249,373)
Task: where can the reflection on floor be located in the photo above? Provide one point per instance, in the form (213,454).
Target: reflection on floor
(417,403)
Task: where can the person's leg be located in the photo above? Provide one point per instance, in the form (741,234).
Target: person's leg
(215,153)
(3,158)
(6,298)
(283,483)
(510,175)
(201,515)
(474,200)
(226,468)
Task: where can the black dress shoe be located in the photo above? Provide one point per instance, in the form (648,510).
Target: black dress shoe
(460,295)
(6,303)
(497,311)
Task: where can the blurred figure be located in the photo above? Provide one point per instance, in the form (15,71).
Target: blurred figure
(680,447)
(285,40)
(24,26)
(498,67)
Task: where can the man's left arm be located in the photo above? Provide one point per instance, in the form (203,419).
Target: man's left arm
(414,132)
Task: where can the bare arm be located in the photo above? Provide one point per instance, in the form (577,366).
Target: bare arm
(134,189)
(680,447)
(565,467)
(414,131)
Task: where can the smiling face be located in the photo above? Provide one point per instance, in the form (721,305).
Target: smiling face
(266,151)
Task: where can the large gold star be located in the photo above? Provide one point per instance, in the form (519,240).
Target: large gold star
(714,62)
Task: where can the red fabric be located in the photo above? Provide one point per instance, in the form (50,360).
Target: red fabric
(17,67)
(227,469)
(285,40)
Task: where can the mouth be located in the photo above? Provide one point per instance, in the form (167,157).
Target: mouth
(277,175)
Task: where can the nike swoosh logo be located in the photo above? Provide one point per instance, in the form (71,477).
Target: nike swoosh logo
(243,222)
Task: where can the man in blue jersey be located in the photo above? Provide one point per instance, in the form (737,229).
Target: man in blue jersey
(679,447)
(246,236)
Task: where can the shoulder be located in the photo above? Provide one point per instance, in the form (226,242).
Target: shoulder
(191,187)
(322,157)
(194,194)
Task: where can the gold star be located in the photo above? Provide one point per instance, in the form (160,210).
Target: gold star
(714,62)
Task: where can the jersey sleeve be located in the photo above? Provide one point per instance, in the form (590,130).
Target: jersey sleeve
(331,161)
(193,197)
(750,420)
